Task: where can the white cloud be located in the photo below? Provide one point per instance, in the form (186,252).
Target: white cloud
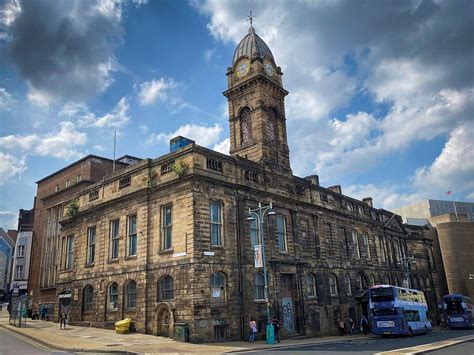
(202,135)
(208,54)
(9,12)
(60,144)
(223,146)
(151,91)
(6,100)
(10,166)
(454,167)
(79,112)
(8,220)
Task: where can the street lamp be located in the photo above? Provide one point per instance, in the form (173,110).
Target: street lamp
(406,263)
(258,215)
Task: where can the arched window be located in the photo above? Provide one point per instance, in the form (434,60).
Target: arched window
(347,283)
(165,288)
(259,286)
(217,288)
(333,285)
(310,285)
(361,282)
(372,280)
(113,296)
(270,125)
(421,283)
(246,125)
(131,294)
(386,280)
(88,298)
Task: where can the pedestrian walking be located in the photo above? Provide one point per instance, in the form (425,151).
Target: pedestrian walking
(276,328)
(62,319)
(364,323)
(253,330)
(342,327)
(43,312)
(351,327)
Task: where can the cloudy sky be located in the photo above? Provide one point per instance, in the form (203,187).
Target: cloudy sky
(381,92)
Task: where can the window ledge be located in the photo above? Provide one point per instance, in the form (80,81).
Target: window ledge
(131,309)
(90,311)
(218,305)
(312,297)
(89,265)
(217,246)
(112,310)
(259,301)
(130,257)
(66,271)
(111,261)
(166,251)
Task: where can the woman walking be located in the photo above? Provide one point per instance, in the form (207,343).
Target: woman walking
(253,330)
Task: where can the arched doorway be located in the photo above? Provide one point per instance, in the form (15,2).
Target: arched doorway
(64,302)
(165,319)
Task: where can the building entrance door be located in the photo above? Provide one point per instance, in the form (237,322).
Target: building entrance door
(287,306)
(164,318)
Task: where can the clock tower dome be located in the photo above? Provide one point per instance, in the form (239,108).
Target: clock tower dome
(256,105)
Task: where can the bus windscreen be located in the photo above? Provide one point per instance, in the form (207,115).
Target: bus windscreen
(390,311)
(382,294)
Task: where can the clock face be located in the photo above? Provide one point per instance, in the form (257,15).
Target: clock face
(269,68)
(242,68)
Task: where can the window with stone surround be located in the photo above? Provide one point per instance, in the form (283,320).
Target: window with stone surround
(245,125)
(113,297)
(347,284)
(310,285)
(216,222)
(333,285)
(88,298)
(281,233)
(167,227)
(366,246)
(218,294)
(165,288)
(382,249)
(254,238)
(93,195)
(19,272)
(114,239)
(68,252)
(131,294)
(259,286)
(132,235)
(91,233)
(355,245)
(349,206)
(21,251)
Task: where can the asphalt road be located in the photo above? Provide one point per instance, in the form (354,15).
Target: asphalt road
(466,348)
(14,344)
(374,345)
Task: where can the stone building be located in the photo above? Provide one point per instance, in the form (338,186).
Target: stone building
(166,241)
(53,192)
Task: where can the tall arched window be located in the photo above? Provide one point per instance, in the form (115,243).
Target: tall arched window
(270,125)
(310,285)
(372,280)
(347,283)
(217,288)
(113,296)
(88,298)
(386,280)
(165,288)
(333,285)
(131,294)
(259,286)
(245,125)
(361,282)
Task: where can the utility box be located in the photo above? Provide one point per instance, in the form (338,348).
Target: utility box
(181,332)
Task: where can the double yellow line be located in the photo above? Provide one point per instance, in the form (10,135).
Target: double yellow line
(25,339)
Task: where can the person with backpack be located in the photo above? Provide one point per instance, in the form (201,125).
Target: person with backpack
(364,323)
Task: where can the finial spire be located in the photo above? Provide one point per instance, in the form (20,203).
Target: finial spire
(250,18)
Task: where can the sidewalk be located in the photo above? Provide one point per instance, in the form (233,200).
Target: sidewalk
(95,339)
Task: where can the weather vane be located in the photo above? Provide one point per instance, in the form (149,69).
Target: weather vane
(250,19)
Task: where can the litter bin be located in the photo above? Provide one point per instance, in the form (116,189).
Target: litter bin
(123,326)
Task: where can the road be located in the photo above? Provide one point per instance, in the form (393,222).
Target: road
(373,345)
(15,344)
(466,348)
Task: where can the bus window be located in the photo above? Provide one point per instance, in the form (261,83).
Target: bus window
(412,316)
(389,311)
(382,294)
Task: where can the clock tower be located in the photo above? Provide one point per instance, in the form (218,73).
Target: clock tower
(256,105)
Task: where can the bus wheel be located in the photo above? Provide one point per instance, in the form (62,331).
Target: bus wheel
(410,332)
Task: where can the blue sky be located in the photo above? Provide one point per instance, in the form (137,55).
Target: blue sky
(381,94)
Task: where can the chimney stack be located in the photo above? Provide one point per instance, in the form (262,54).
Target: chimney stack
(368,201)
(336,188)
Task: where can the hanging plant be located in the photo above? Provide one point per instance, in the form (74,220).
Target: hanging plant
(72,208)
(180,168)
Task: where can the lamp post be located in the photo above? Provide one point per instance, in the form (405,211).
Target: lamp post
(406,263)
(258,215)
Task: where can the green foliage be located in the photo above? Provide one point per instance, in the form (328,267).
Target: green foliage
(180,168)
(72,208)
(152,177)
